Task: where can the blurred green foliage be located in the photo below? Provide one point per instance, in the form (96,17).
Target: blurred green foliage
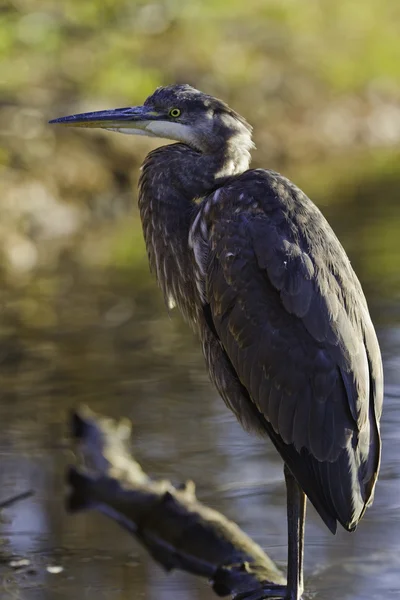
(318,80)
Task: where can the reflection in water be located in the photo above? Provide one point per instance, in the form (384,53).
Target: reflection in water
(101,339)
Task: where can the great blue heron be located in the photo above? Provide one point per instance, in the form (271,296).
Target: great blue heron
(255,268)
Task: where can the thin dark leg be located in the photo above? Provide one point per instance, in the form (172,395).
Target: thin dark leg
(296,512)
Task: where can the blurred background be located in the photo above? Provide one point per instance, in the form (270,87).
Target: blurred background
(81,319)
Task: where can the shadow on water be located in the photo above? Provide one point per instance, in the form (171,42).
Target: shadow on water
(104,339)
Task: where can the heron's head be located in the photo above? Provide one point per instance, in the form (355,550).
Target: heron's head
(175,112)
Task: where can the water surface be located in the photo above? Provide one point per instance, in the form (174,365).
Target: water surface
(103,338)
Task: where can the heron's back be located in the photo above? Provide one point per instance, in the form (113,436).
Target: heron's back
(279,293)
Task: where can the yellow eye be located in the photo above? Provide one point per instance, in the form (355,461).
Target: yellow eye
(174,112)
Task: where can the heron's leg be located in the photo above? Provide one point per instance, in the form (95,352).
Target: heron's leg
(296,512)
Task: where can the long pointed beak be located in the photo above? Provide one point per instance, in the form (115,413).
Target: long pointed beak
(134,118)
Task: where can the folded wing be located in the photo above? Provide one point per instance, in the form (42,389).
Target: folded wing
(281,297)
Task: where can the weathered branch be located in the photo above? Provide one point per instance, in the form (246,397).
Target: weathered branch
(177,530)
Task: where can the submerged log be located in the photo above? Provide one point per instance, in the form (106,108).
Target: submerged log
(178,531)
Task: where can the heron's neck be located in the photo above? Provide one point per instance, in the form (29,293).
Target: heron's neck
(173,179)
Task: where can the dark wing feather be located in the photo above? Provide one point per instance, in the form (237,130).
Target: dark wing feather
(238,400)
(293,321)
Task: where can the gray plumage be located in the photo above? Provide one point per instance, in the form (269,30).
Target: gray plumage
(285,327)
(257,271)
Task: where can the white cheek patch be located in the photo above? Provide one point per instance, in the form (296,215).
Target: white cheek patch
(160,129)
(171,131)
(130,131)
